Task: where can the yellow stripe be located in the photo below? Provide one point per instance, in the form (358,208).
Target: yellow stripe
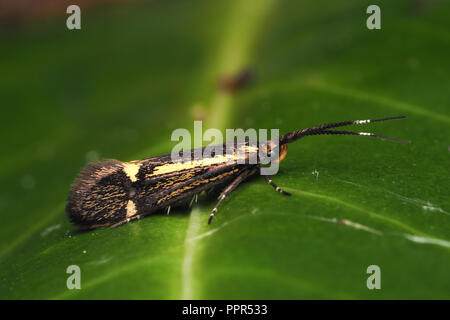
(131,169)
(131,209)
(173,167)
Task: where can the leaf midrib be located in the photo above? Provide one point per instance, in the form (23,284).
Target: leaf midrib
(244,24)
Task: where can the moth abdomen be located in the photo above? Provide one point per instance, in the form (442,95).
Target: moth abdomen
(101,195)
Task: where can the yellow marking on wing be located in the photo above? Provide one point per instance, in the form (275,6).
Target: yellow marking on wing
(173,167)
(131,169)
(168,183)
(195,184)
(131,209)
(207,161)
(250,149)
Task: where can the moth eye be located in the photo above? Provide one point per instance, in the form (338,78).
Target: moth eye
(132,193)
(274,152)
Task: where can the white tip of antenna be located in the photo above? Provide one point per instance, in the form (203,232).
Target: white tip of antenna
(362,121)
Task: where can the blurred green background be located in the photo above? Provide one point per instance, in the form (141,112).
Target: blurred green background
(137,70)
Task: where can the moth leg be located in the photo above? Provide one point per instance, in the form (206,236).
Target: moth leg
(277,188)
(136,217)
(193,199)
(228,190)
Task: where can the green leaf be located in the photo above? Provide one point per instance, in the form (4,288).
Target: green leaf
(135,72)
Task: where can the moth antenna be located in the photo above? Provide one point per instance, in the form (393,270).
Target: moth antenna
(295,135)
(359,134)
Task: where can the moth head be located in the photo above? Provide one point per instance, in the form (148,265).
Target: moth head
(275,150)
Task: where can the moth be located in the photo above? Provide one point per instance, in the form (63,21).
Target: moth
(111,193)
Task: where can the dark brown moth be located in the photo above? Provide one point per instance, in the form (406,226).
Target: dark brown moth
(111,193)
